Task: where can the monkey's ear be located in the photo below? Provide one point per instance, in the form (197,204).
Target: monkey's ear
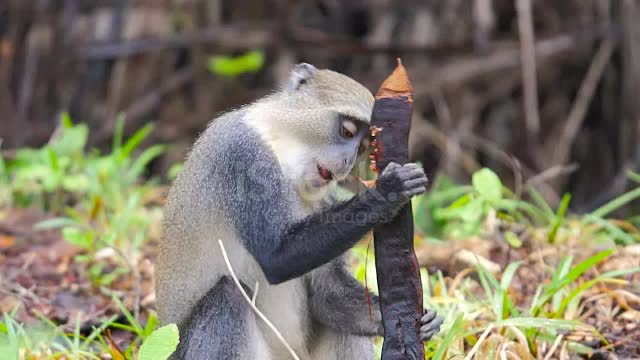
(300,74)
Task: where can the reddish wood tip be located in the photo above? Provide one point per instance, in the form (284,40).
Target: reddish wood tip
(397,84)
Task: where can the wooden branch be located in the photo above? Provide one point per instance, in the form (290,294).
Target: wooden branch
(227,37)
(629,17)
(242,37)
(457,71)
(529,73)
(397,267)
(581,104)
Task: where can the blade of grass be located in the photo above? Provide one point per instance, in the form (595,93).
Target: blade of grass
(615,231)
(559,217)
(561,281)
(132,320)
(579,290)
(533,322)
(455,331)
(118,133)
(134,141)
(634,176)
(616,203)
(537,199)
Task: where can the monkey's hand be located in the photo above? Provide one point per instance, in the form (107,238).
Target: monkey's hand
(430,325)
(399,183)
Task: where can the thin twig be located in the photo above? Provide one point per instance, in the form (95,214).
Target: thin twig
(253,306)
(551,173)
(255,293)
(583,99)
(529,74)
(521,337)
(456,71)
(553,347)
(480,341)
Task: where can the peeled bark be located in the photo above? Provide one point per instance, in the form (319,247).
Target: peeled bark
(397,268)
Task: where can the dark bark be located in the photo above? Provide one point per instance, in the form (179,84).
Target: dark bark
(397,267)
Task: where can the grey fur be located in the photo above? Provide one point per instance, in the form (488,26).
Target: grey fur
(246,182)
(300,74)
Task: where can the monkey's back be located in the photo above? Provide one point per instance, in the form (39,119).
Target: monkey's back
(228,163)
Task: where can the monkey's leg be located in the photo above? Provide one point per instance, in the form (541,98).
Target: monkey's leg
(329,344)
(337,300)
(222,326)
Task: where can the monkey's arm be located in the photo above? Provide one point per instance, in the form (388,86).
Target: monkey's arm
(286,248)
(338,301)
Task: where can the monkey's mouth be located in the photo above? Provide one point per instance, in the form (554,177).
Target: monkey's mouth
(324,173)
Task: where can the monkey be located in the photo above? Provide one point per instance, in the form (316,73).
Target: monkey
(263,180)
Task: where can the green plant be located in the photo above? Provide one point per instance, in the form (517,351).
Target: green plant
(74,345)
(101,197)
(160,344)
(249,62)
(627,235)
(459,211)
(42,176)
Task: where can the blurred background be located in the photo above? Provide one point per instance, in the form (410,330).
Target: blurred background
(526,119)
(564,119)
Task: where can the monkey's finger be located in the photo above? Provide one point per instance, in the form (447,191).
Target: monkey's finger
(427,336)
(406,174)
(392,165)
(414,192)
(411,166)
(429,315)
(415,183)
(434,324)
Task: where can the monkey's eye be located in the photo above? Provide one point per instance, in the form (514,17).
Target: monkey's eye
(348,129)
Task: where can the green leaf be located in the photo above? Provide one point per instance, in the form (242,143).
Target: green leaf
(160,344)
(512,239)
(76,237)
(132,320)
(564,276)
(562,209)
(118,133)
(134,141)
(508,274)
(582,288)
(65,120)
(234,66)
(151,324)
(72,140)
(456,330)
(144,159)
(77,184)
(542,323)
(537,198)
(614,231)
(174,170)
(55,223)
(487,184)
(616,203)
(472,211)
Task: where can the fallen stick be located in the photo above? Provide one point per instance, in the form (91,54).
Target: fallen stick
(397,268)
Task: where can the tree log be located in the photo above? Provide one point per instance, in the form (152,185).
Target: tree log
(397,268)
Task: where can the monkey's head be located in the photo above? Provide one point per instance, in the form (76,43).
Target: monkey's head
(318,126)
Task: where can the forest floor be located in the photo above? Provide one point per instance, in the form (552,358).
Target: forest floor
(512,277)
(41,278)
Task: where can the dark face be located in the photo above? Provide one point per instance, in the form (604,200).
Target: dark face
(349,138)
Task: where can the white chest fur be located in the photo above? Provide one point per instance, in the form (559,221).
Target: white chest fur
(286,306)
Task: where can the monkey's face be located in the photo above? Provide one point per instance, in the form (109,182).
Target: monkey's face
(333,157)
